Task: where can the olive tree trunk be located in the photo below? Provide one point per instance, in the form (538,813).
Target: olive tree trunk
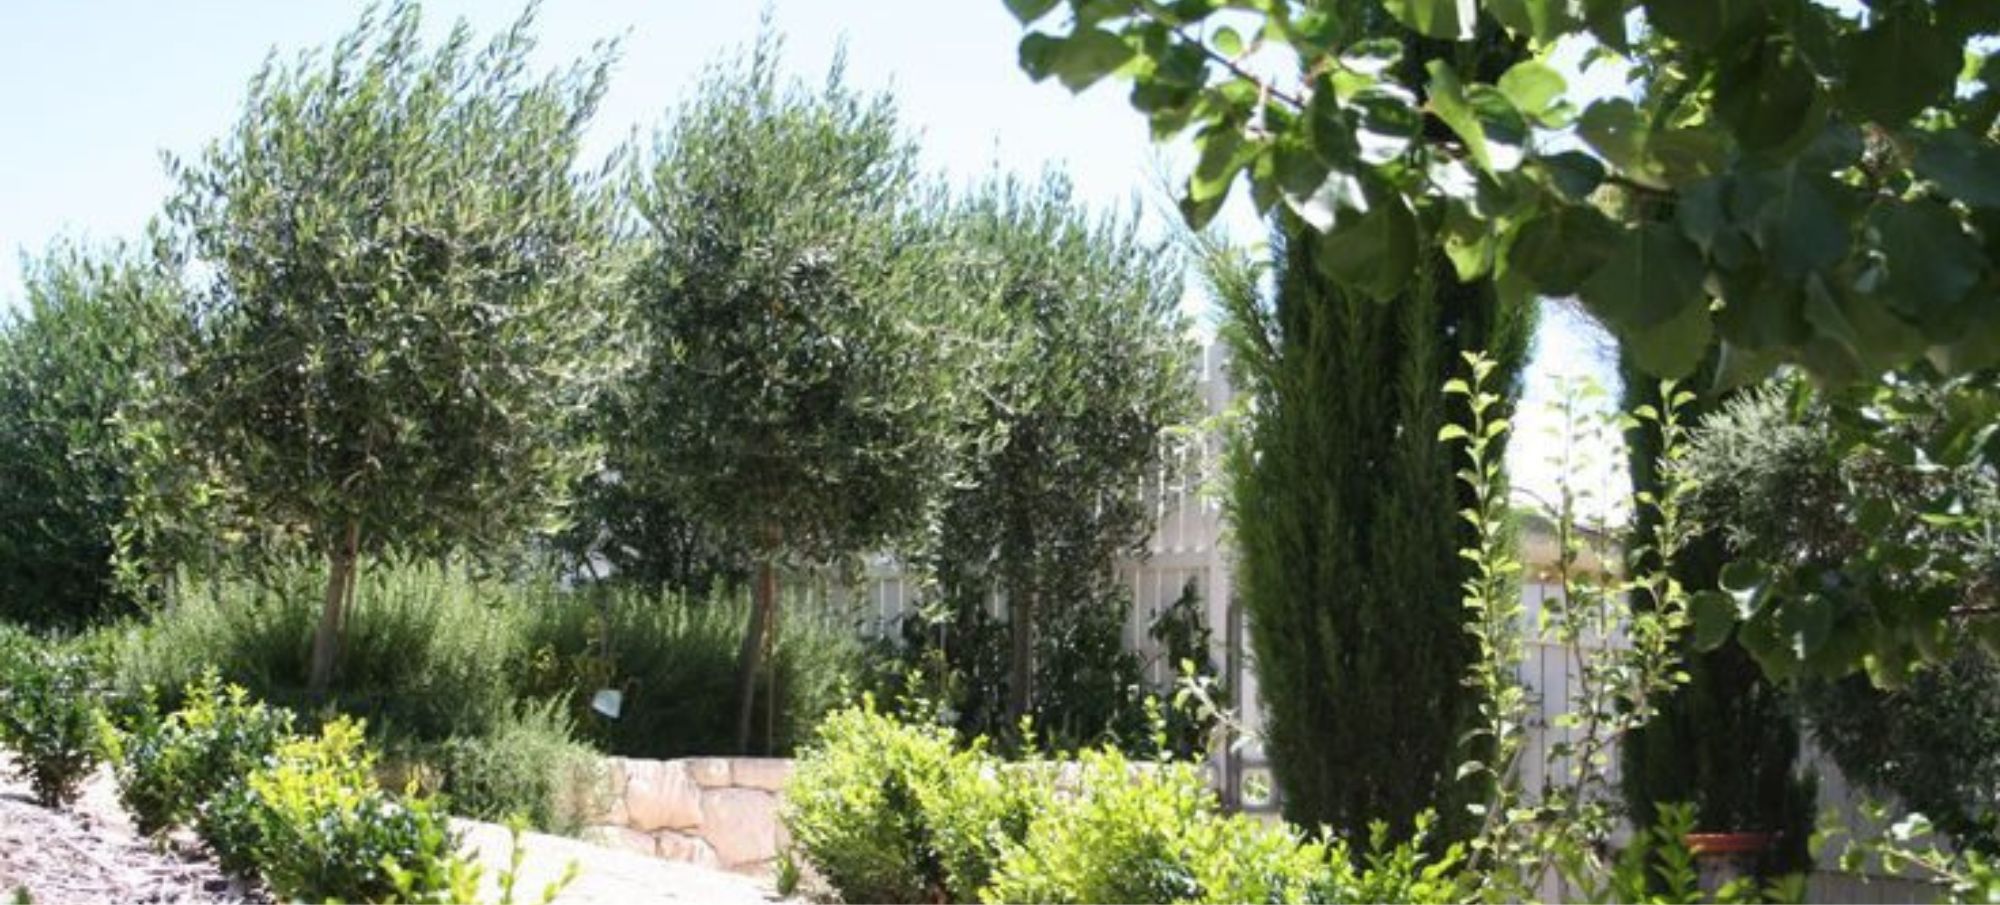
(750,659)
(341,564)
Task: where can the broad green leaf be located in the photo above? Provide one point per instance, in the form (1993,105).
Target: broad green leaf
(1932,263)
(1339,197)
(1038,53)
(1673,349)
(1614,129)
(1559,250)
(1493,131)
(1737,367)
(1768,96)
(1681,156)
(1446,20)
(1967,168)
(1447,100)
(1375,253)
(1809,621)
(1534,88)
(1906,64)
(1798,226)
(1332,127)
(1714,616)
(1297,168)
(1028,11)
(1653,277)
(1573,173)
(1760,311)
(1388,122)
(1224,153)
(1876,339)
(1078,61)
(1468,241)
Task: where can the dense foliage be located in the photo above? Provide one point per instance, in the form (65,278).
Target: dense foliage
(317,828)
(672,658)
(790,395)
(399,311)
(51,716)
(71,360)
(1934,743)
(889,812)
(1843,559)
(530,767)
(1727,741)
(1343,504)
(442,655)
(1093,691)
(169,767)
(1845,218)
(900,812)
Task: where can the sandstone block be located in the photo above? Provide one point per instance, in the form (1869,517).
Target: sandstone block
(660,795)
(710,772)
(741,824)
(767,773)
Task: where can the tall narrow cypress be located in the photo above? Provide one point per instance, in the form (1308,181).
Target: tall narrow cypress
(1345,510)
(1344,507)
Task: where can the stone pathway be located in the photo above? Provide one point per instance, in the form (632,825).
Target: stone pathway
(606,875)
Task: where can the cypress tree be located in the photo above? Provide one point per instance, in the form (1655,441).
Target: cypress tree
(1728,739)
(1344,507)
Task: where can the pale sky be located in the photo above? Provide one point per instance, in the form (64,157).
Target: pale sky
(92,91)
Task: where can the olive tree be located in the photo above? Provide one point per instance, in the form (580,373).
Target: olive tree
(1085,367)
(399,308)
(790,391)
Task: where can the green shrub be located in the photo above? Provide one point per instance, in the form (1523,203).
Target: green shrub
(674,660)
(892,812)
(1152,834)
(313,823)
(528,766)
(171,767)
(50,716)
(1404,871)
(430,650)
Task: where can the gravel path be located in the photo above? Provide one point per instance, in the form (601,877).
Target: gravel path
(90,853)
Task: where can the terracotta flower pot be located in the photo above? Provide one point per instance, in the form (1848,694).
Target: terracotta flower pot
(1723,857)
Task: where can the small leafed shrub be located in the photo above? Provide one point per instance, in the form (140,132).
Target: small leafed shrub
(893,812)
(212,743)
(887,811)
(50,716)
(529,767)
(315,826)
(1152,834)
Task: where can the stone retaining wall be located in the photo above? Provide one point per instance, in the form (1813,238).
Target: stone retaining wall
(712,811)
